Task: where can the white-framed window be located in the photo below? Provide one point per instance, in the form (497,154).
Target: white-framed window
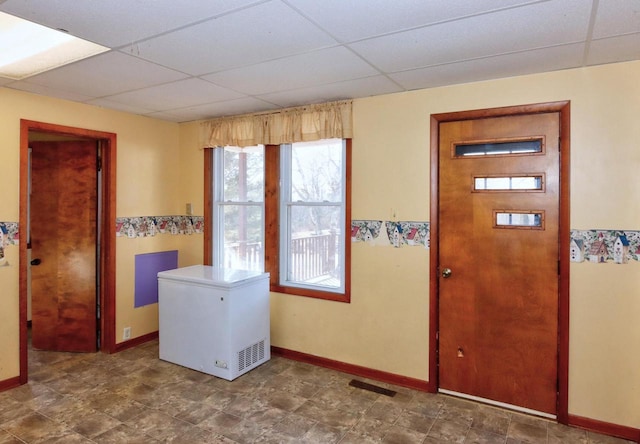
(238,207)
(312,207)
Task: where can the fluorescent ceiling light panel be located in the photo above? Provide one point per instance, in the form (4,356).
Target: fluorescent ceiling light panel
(29,48)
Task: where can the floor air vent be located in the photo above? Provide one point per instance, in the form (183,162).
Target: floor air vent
(251,355)
(371,388)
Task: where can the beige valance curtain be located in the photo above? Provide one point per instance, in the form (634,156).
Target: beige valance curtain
(300,124)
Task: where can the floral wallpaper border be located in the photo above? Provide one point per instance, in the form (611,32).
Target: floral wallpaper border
(396,233)
(600,246)
(148,226)
(9,234)
(618,246)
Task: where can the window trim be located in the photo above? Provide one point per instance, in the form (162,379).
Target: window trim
(286,206)
(272,229)
(271,224)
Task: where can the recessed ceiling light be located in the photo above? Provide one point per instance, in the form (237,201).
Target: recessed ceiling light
(29,48)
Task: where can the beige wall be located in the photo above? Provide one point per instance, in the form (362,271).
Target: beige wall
(148,184)
(386,325)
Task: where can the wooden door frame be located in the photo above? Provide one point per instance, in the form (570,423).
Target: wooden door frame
(564,109)
(107,260)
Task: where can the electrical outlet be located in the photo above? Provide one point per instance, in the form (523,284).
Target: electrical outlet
(126,333)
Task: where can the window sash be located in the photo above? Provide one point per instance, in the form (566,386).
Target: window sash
(218,214)
(286,206)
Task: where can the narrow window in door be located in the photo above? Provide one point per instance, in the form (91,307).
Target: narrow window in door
(518,219)
(509,183)
(499,147)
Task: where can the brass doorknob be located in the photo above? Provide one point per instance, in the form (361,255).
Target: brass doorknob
(446,272)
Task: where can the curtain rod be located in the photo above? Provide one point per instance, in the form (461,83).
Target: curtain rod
(282,110)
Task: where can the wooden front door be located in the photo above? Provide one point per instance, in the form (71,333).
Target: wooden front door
(498,259)
(63,240)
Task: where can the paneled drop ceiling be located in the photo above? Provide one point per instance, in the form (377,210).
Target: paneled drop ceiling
(194,59)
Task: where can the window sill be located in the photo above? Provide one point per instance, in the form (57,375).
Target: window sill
(317,294)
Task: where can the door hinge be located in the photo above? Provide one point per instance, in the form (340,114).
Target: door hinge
(558,267)
(99,163)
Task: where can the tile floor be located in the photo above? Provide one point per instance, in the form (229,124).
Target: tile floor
(133,397)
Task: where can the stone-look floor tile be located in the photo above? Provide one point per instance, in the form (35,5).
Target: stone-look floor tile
(400,435)
(65,409)
(415,421)
(357,403)
(355,438)
(34,428)
(561,434)
(93,424)
(11,409)
(322,434)
(273,437)
(132,396)
(477,436)
(66,437)
(124,434)
(284,400)
(527,432)
(244,406)
(449,431)
(331,397)
(117,406)
(385,411)
(196,412)
(159,425)
(246,431)
(220,422)
(331,417)
(304,389)
(491,420)
(371,429)
(595,438)
(8,438)
(294,425)
(458,410)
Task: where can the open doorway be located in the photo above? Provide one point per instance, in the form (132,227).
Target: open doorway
(75,156)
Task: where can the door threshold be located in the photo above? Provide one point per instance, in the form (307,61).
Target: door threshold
(498,404)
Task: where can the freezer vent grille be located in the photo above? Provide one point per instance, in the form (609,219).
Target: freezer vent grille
(250,355)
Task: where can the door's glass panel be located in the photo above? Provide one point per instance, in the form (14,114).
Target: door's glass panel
(508,183)
(519,219)
(498,148)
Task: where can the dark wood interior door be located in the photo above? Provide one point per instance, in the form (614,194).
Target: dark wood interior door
(498,259)
(63,241)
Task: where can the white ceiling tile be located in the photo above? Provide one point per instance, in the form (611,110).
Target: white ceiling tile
(114,23)
(226,108)
(178,94)
(314,68)
(253,35)
(530,27)
(616,17)
(358,19)
(614,49)
(24,85)
(107,74)
(351,89)
(251,50)
(528,62)
(104,103)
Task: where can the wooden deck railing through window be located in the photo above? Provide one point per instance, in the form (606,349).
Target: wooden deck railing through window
(312,256)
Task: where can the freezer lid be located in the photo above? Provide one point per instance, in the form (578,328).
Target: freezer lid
(215,276)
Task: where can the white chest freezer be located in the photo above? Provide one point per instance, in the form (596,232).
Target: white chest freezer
(214,320)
